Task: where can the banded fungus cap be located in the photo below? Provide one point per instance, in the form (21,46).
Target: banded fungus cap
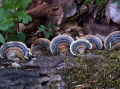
(79,46)
(59,43)
(40,44)
(96,41)
(112,39)
(14,49)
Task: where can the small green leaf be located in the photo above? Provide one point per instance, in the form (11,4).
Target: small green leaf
(100,3)
(27,19)
(8,4)
(47,35)
(22,4)
(51,26)
(10,30)
(19,37)
(12,37)
(88,1)
(6,24)
(22,16)
(118,3)
(42,28)
(4,27)
(6,14)
(2,40)
(51,33)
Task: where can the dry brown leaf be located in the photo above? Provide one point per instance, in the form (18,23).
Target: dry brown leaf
(31,27)
(41,10)
(107,14)
(95,13)
(78,1)
(90,7)
(87,29)
(56,14)
(102,29)
(69,9)
(30,40)
(83,9)
(114,12)
(33,4)
(68,25)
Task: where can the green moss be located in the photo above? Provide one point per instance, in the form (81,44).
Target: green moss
(100,72)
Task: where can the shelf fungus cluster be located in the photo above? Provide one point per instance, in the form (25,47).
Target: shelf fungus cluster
(86,42)
(61,44)
(14,49)
(94,40)
(112,41)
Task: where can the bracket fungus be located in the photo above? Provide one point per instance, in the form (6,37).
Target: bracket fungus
(61,44)
(79,46)
(40,46)
(94,40)
(112,40)
(14,49)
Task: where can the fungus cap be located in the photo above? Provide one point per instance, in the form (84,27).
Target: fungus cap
(112,39)
(94,40)
(79,43)
(59,40)
(39,43)
(16,46)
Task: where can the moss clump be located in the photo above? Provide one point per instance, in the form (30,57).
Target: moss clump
(102,71)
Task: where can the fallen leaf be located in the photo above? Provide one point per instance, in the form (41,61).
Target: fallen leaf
(107,14)
(69,9)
